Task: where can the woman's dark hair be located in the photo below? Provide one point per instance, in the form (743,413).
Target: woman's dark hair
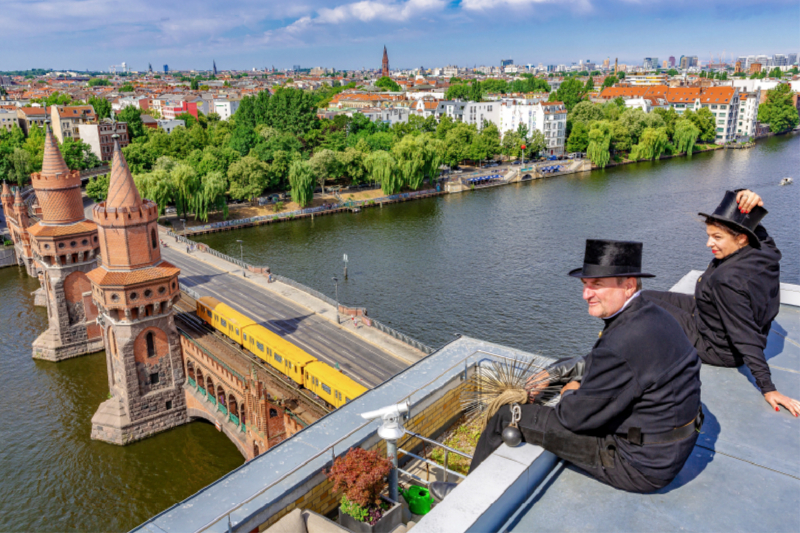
(717,224)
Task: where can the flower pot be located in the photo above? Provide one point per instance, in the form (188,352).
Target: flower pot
(391,518)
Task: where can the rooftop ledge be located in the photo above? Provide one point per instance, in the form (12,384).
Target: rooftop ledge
(743,475)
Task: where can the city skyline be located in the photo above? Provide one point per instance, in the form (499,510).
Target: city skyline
(94,34)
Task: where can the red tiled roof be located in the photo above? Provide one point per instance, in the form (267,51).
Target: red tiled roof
(84,226)
(101,276)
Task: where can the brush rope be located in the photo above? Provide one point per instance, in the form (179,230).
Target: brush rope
(509,396)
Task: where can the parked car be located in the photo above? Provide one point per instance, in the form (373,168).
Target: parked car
(171,211)
(517,162)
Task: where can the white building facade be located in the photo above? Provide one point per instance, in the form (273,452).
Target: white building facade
(748,113)
(225,108)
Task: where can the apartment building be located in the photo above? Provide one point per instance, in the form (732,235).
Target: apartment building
(8,119)
(723,102)
(29,116)
(225,108)
(476,113)
(392,115)
(169,125)
(550,118)
(100,137)
(748,113)
(66,119)
(452,108)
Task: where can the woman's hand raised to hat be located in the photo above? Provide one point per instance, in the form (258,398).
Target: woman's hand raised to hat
(775,399)
(748,200)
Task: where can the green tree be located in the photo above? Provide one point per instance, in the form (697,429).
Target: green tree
(247,178)
(382,169)
(211,195)
(673,72)
(620,137)
(685,137)
(351,163)
(186,183)
(775,73)
(127,88)
(652,144)
(194,85)
(599,143)
(133,117)
(20,168)
(388,84)
(579,138)
(188,119)
(635,120)
(778,111)
(243,139)
(324,166)
(457,143)
(301,180)
(570,92)
(705,122)
(511,144)
(97,187)
(589,87)
(78,155)
(97,82)
(536,144)
(586,112)
(101,106)
(610,81)
(156,186)
(621,75)
(459,91)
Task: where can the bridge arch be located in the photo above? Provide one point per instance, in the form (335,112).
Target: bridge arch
(233,436)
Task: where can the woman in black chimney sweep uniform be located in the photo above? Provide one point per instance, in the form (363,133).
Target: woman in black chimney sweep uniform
(737,297)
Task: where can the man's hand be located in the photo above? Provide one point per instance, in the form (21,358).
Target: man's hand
(572,385)
(747,200)
(537,383)
(775,399)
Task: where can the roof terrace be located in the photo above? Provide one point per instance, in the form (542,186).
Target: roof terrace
(743,475)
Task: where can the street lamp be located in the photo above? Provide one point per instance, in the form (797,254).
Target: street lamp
(241,257)
(336,285)
(184,226)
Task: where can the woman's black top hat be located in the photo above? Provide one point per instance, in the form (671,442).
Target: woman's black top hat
(728,213)
(611,259)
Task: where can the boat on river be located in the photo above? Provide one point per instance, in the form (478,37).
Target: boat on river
(787,181)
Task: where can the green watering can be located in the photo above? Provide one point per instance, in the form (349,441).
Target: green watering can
(419,499)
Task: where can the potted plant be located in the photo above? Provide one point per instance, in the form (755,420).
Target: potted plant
(361,477)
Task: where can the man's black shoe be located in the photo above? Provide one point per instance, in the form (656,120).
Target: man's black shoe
(440,489)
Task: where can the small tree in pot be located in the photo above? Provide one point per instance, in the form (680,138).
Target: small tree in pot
(361,477)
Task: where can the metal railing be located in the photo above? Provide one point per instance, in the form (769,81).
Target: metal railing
(424,348)
(208,249)
(447,451)
(304,288)
(189,291)
(332,448)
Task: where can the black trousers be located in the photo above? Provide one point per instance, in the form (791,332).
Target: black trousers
(683,308)
(595,455)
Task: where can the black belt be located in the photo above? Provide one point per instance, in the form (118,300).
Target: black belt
(635,435)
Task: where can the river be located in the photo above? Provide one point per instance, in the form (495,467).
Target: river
(490,264)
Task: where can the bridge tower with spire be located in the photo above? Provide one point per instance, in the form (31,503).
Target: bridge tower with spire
(64,249)
(134,290)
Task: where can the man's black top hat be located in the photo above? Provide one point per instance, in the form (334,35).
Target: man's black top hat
(611,259)
(728,213)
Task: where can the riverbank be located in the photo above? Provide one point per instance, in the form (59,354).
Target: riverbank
(250,216)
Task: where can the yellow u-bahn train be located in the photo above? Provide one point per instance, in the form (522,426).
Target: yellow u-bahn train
(302,368)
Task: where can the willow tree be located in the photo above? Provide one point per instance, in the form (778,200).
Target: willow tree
(301,181)
(599,143)
(409,155)
(652,143)
(156,186)
(435,151)
(186,183)
(211,195)
(382,169)
(686,134)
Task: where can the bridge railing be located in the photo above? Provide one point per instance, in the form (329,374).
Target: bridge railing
(297,285)
(424,348)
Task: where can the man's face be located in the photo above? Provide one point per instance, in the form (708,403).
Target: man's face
(606,296)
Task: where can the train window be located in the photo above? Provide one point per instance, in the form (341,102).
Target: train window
(260,346)
(346,399)
(244,336)
(224,324)
(278,358)
(326,388)
(288,365)
(237,331)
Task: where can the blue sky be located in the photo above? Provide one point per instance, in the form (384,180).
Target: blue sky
(93,34)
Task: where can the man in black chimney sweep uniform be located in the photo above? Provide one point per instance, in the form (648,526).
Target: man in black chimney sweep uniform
(630,412)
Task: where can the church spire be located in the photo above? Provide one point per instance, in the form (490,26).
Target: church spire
(385,65)
(122,191)
(53,163)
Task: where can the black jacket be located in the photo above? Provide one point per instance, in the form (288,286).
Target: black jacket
(643,372)
(737,299)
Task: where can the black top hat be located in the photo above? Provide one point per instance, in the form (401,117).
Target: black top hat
(611,259)
(727,212)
